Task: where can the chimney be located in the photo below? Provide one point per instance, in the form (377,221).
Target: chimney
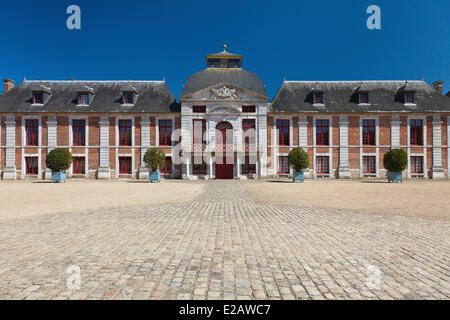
(438,85)
(7,85)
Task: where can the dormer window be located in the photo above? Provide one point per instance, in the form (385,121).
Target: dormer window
(38,97)
(364,97)
(83,99)
(128,97)
(318,97)
(410,97)
(248,109)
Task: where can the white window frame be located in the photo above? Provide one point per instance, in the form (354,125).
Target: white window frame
(171,118)
(376,146)
(24,146)
(132,147)
(330,146)
(408,144)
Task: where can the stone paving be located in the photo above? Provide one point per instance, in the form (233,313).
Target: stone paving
(223,246)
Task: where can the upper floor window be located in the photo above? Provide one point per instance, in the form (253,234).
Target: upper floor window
(32,132)
(410,97)
(322,132)
(165,132)
(248,132)
(125,129)
(79,132)
(83,99)
(283,132)
(38,97)
(199,136)
(416,132)
(128,97)
(248,108)
(199,109)
(364,97)
(368,127)
(318,97)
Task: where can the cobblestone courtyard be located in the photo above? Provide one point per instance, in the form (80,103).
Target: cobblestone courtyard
(221,245)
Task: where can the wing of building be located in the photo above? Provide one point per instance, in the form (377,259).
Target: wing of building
(224,126)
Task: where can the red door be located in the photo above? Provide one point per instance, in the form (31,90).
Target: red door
(224,170)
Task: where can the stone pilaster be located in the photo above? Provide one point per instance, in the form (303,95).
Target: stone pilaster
(51,138)
(437,169)
(145,144)
(395,132)
(303,138)
(9,172)
(344,170)
(103,170)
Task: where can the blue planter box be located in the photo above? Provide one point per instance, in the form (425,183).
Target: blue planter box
(394,176)
(154,176)
(58,176)
(299,176)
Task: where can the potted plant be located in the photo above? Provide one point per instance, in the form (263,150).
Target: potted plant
(395,161)
(58,160)
(299,160)
(154,158)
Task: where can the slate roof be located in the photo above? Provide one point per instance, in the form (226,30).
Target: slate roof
(237,77)
(342,96)
(151,96)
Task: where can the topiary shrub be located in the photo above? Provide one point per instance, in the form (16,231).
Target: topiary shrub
(58,159)
(154,158)
(395,160)
(298,159)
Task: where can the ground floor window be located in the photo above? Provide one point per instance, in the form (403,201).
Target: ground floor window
(167,168)
(322,165)
(31,165)
(283,166)
(369,164)
(247,167)
(416,164)
(198,168)
(78,165)
(125,165)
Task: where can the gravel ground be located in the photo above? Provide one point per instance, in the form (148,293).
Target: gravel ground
(19,199)
(414,198)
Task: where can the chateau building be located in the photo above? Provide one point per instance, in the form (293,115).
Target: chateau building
(223,126)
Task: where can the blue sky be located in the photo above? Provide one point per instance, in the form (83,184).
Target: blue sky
(296,40)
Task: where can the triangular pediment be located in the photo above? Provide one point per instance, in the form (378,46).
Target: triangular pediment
(224,92)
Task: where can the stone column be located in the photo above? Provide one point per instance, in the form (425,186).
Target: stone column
(145,144)
(9,172)
(103,170)
(395,132)
(437,170)
(51,138)
(303,138)
(344,170)
(262,144)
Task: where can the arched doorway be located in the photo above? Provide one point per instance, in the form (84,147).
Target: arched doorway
(224,144)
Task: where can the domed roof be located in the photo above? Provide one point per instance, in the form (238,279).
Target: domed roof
(235,76)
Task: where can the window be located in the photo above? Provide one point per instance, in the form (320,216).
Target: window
(322,132)
(198,168)
(248,109)
(38,97)
(199,136)
(368,127)
(128,97)
(199,109)
(416,164)
(369,164)
(83,99)
(248,167)
(410,97)
(125,132)
(165,132)
(364,97)
(322,166)
(283,166)
(234,63)
(78,165)
(248,133)
(283,132)
(79,132)
(32,132)
(416,132)
(318,97)
(31,164)
(125,165)
(167,168)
